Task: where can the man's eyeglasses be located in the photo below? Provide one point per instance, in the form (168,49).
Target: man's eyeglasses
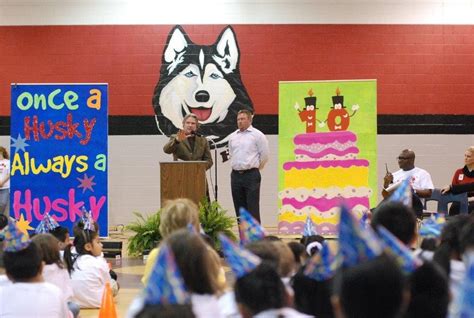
(403,158)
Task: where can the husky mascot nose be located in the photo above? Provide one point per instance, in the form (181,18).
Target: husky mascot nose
(202,96)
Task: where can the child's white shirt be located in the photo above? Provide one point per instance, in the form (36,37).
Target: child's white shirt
(59,277)
(29,300)
(282,312)
(88,280)
(227,305)
(4,281)
(205,306)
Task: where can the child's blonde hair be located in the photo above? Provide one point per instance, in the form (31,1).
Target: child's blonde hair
(177,214)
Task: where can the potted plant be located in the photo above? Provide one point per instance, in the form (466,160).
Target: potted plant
(212,216)
(147,234)
(214,220)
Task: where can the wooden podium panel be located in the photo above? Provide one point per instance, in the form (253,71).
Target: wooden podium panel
(183,179)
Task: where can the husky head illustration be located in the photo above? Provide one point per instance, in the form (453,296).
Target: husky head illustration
(203,80)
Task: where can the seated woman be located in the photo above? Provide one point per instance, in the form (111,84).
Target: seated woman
(463,181)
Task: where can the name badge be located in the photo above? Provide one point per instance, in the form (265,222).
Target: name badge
(461,177)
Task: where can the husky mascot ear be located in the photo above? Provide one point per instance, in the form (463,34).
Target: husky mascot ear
(227,51)
(177,44)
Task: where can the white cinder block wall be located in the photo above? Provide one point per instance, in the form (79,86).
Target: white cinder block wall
(134,170)
(134,160)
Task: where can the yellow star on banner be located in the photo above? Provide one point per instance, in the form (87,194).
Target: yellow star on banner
(23,225)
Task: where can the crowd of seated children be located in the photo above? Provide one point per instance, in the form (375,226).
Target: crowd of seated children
(371,284)
(27,294)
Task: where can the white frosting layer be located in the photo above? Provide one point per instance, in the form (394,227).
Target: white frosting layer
(316,147)
(331,213)
(302,194)
(327,157)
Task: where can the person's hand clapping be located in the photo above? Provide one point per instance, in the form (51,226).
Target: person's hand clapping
(180,136)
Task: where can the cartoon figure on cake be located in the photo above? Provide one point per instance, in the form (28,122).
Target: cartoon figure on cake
(338,117)
(308,114)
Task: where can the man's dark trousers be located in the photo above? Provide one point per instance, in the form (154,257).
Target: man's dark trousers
(246,191)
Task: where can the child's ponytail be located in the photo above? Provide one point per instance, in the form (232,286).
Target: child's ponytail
(82,237)
(69,259)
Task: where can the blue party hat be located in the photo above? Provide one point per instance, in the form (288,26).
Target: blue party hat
(15,240)
(364,220)
(250,229)
(403,255)
(433,226)
(466,294)
(87,219)
(309,228)
(166,285)
(403,193)
(356,244)
(322,265)
(240,260)
(47,224)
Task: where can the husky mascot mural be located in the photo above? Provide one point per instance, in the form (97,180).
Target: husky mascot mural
(203,80)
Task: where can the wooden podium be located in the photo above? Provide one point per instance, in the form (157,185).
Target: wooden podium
(183,179)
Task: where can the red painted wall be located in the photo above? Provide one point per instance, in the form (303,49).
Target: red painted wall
(420,69)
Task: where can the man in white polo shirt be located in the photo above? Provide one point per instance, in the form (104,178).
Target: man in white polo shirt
(248,149)
(421,182)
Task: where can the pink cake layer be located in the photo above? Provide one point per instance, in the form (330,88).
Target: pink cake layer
(297,228)
(324,138)
(328,151)
(325,164)
(323,204)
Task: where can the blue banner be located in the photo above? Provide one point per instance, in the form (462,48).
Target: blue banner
(59,153)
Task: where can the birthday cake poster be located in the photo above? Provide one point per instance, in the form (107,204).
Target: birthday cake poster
(327,152)
(59,153)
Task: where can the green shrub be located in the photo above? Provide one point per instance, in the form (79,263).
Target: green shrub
(147,233)
(212,216)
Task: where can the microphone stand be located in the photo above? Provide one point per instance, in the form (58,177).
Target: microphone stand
(215,167)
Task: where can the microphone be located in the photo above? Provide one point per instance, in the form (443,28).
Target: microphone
(195,133)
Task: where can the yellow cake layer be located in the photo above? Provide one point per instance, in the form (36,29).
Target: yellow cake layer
(292,217)
(327,177)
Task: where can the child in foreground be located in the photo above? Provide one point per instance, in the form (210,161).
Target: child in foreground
(28,295)
(88,269)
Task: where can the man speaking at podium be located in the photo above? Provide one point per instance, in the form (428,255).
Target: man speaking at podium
(187,144)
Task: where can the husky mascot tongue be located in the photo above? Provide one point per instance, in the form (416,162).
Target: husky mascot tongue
(203,80)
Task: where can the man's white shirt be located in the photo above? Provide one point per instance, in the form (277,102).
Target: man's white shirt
(420,179)
(248,149)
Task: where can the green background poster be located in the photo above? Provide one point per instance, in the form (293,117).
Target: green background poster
(360,102)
